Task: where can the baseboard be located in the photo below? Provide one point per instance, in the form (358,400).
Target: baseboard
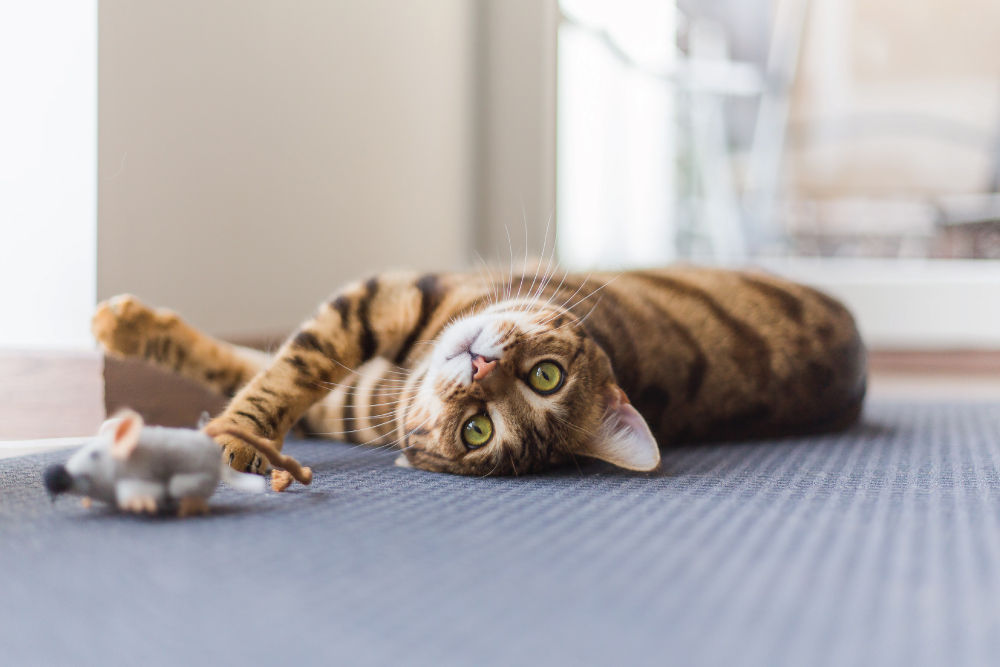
(935,362)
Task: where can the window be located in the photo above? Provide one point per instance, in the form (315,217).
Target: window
(821,140)
(48,165)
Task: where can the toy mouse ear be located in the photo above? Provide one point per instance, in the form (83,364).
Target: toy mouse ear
(124,428)
(623,437)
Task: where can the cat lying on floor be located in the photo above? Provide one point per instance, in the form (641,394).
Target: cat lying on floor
(468,375)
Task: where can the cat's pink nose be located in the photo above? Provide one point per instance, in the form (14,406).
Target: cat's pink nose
(482,367)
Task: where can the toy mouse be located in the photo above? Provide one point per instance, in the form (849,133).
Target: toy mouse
(150,469)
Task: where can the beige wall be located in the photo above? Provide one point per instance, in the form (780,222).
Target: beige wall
(515,121)
(255,154)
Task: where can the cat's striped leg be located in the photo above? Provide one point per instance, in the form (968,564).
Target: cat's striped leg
(382,317)
(127,328)
(362,409)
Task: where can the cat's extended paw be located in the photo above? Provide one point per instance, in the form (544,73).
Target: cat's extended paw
(123,325)
(241,456)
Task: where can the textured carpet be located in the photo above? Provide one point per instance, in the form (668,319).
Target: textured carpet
(878,546)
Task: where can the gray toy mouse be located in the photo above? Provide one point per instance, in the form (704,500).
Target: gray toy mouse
(142,468)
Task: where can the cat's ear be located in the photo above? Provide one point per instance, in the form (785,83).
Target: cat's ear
(623,437)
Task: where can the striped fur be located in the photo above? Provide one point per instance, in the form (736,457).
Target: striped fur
(702,354)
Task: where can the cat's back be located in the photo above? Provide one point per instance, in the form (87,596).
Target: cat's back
(722,353)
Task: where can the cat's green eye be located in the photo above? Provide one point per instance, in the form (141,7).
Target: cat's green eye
(546,377)
(477,431)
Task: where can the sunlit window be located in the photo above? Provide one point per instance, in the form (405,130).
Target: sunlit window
(823,139)
(48,164)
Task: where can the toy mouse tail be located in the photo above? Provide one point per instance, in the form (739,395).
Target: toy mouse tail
(242,481)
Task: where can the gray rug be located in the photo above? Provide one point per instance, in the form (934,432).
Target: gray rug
(878,546)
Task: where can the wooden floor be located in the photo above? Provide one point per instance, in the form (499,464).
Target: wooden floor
(53,400)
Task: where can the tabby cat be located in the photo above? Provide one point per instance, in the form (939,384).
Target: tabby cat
(474,376)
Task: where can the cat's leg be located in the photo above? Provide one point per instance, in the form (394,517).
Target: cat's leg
(362,407)
(125,327)
(382,317)
(128,329)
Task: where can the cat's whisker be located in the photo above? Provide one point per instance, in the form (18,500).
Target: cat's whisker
(359,374)
(493,470)
(580,321)
(577,303)
(582,299)
(408,433)
(546,279)
(548,302)
(392,369)
(514,467)
(489,278)
(497,285)
(389,380)
(391,389)
(573,295)
(354,391)
(378,416)
(376,405)
(563,421)
(510,248)
(546,275)
(562,307)
(538,265)
(583,319)
(524,262)
(392,382)
(404,374)
(338,434)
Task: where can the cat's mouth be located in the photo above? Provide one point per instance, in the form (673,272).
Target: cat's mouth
(467,367)
(482,365)
(465,345)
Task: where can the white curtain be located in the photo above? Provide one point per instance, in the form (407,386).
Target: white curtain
(616,165)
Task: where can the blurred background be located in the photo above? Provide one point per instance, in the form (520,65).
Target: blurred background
(237,160)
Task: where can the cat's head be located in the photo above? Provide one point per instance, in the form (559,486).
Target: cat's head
(519,388)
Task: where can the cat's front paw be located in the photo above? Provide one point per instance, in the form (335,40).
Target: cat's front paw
(123,325)
(241,456)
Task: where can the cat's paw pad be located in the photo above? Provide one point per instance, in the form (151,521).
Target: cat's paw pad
(123,324)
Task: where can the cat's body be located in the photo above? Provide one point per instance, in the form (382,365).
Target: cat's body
(409,360)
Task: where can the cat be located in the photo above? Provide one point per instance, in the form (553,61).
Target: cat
(469,375)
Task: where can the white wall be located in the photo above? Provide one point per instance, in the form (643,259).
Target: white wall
(256,154)
(48,125)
